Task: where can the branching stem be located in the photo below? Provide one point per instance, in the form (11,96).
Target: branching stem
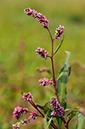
(53,73)
(54,81)
(35,106)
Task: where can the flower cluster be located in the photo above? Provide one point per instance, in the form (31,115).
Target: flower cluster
(18,111)
(33,115)
(36,15)
(17,125)
(27,96)
(42,52)
(45,81)
(59,31)
(58,110)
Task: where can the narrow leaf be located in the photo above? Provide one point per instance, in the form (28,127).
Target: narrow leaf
(62,80)
(44,108)
(44,123)
(62,71)
(49,122)
(58,46)
(80,121)
(41,107)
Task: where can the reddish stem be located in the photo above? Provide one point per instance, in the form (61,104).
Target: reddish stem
(54,81)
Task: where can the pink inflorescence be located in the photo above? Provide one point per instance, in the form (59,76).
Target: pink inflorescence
(36,15)
(18,111)
(59,31)
(42,52)
(45,81)
(58,110)
(33,116)
(27,96)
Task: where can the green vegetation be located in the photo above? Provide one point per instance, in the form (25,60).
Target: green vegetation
(20,35)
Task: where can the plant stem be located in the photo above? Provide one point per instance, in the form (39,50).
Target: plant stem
(65,122)
(53,73)
(54,81)
(35,106)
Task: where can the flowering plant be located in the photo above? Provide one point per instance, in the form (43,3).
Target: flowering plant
(54,113)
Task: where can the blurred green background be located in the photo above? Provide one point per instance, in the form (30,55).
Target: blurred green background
(20,35)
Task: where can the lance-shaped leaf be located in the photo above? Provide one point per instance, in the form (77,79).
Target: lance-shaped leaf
(80,121)
(58,47)
(44,108)
(62,80)
(45,123)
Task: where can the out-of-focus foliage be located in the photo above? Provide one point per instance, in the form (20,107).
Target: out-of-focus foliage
(20,35)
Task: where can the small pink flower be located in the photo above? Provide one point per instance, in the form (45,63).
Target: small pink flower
(59,31)
(53,113)
(45,81)
(25,110)
(28,11)
(53,99)
(17,112)
(41,19)
(58,110)
(33,115)
(27,96)
(42,52)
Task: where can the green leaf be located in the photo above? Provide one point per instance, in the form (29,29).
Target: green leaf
(67,60)
(58,47)
(62,80)
(62,71)
(49,122)
(80,121)
(67,110)
(72,113)
(59,120)
(69,70)
(44,108)
(41,107)
(44,123)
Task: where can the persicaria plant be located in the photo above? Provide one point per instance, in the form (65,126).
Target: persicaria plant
(55,113)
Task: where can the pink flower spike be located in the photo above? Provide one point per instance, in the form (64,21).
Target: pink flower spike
(28,11)
(45,81)
(53,99)
(59,31)
(27,96)
(41,19)
(17,112)
(58,110)
(42,52)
